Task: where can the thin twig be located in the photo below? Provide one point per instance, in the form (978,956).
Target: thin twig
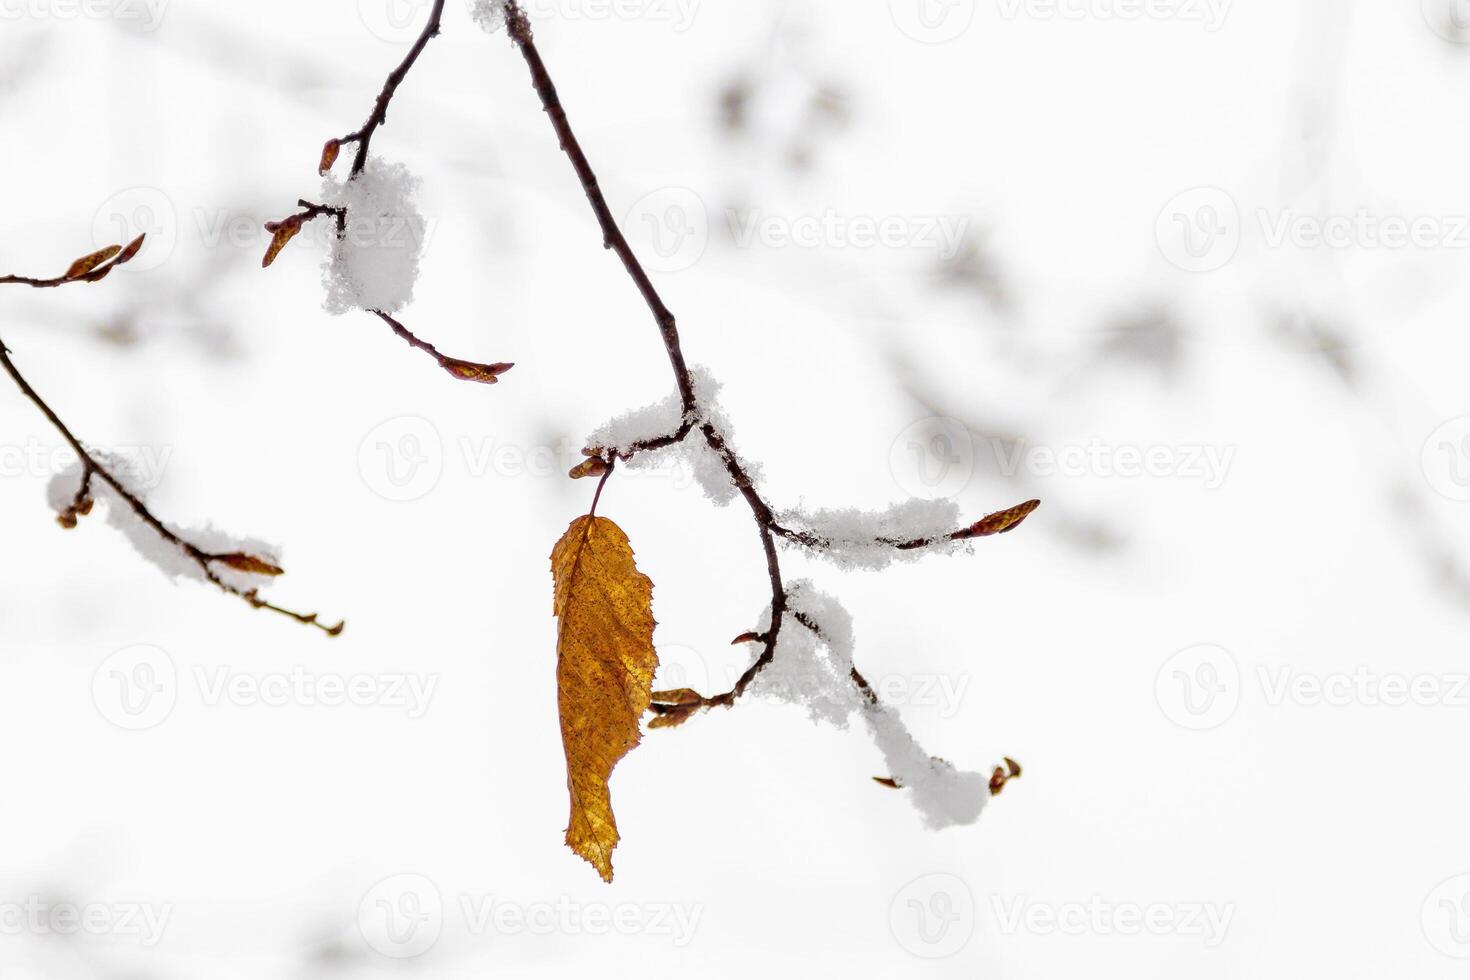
(464,370)
(364,136)
(768,528)
(206,561)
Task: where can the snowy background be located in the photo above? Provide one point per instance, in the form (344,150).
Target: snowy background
(1190,271)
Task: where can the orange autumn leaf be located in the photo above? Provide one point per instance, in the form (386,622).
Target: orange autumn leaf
(604,672)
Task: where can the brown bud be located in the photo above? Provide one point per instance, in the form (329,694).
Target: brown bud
(329,155)
(87,263)
(242,562)
(683,696)
(590,467)
(485,374)
(281,233)
(887,781)
(132,249)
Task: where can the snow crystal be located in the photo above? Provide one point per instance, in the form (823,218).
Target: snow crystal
(814,671)
(856,539)
(165,555)
(664,418)
(489,14)
(374,264)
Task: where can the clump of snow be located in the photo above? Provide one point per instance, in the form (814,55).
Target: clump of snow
(944,795)
(813,670)
(663,419)
(374,263)
(489,14)
(857,539)
(163,554)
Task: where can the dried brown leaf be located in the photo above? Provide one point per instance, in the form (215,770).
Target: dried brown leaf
(604,673)
(87,263)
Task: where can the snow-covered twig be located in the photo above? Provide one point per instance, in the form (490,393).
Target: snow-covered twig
(671,423)
(376,274)
(229,568)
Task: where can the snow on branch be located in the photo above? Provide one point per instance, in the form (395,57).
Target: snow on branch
(239,567)
(691,422)
(380,232)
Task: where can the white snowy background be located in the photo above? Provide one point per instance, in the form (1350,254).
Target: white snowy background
(1237,681)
